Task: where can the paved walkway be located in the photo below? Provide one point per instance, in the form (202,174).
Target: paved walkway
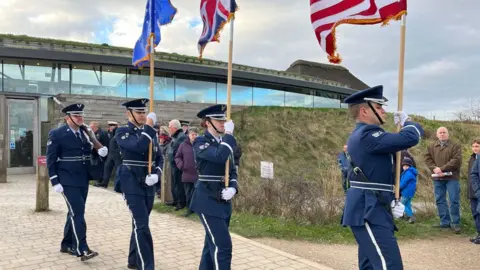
(30,240)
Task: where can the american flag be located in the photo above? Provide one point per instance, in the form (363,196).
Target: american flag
(215,14)
(326,15)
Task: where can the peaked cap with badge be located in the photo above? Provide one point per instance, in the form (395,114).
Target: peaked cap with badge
(184,122)
(374,94)
(74,109)
(137,105)
(216,112)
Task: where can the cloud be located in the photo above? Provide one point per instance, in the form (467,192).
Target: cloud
(441,58)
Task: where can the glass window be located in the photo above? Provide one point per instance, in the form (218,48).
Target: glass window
(268,97)
(323,102)
(36,77)
(86,80)
(138,85)
(114,81)
(195,91)
(344,105)
(298,100)
(241,95)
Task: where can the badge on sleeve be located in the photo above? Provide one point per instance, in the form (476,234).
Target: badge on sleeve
(204,146)
(49,142)
(376,134)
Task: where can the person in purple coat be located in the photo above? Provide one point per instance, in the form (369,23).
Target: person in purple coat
(185,161)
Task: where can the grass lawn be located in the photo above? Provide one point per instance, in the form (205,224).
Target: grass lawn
(253,226)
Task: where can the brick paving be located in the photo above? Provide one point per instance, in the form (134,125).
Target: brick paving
(30,240)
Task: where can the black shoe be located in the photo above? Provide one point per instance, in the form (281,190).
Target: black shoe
(67,250)
(171,203)
(179,207)
(132,266)
(475,238)
(476,241)
(87,255)
(412,219)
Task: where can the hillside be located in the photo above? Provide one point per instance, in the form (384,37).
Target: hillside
(303,145)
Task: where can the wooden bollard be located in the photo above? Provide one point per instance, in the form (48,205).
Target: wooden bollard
(42,185)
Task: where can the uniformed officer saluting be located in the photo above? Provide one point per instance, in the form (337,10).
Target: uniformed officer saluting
(211,200)
(68,162)
(370,200)
(138,186)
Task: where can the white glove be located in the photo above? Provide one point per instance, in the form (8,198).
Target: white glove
(58,188)
(153,116)
(151,179)
(400,117)
(227,193)
(397,209)
(229,127)
(103,152)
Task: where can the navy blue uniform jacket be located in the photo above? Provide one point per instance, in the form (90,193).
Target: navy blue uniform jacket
(134,144)
(211,157)
(373,151)
(68,159)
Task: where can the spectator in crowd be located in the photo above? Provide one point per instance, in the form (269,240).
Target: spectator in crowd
(237,154)
(178,137)
(98,163)
(405,153)
(343,163)
(185,124)
(164,141)
(185,161)
(408,186)
(444,159)
(114,158)
(474,187)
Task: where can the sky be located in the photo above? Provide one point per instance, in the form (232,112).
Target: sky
(442,42)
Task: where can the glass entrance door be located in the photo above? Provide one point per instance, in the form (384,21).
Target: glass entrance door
(22,132)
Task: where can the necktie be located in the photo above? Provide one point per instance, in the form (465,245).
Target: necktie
(78,136)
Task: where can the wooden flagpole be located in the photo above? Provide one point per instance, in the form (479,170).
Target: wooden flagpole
(229,91)
(152,76)
(401,70)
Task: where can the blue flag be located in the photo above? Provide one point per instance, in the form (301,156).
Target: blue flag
(157,13)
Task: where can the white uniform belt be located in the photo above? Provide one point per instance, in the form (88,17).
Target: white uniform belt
(136,163)
(211,178)
(75,158)
(372,186)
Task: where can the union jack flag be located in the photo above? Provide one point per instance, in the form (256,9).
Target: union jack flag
(326,15)
(215,14)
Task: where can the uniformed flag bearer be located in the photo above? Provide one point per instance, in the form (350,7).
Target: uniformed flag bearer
(68,161)
(370,206)
(211,200)
(138,187)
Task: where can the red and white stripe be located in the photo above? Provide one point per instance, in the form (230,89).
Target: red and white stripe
(326,15)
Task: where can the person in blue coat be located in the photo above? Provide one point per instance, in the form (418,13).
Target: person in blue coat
(137,183)
(370,205)
(69,151)
(408,186)
(211,199)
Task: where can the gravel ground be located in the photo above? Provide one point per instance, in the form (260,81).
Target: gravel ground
(452,252)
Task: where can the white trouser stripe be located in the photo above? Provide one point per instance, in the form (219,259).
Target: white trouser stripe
(135,232)
(372,237)
(69,206)
(215,254)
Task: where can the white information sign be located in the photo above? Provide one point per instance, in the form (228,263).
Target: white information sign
(266,169)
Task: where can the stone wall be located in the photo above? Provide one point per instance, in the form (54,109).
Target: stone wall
(103,109)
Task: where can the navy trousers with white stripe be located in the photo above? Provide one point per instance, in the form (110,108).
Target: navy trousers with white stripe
(217,249)
(141,242)
(377,248)
(75,231)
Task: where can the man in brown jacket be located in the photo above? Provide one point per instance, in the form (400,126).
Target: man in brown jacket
(445,157)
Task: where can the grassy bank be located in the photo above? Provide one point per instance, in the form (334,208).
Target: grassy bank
(257,226)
